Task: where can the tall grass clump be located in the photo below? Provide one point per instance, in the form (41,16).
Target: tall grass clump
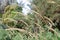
(40,24)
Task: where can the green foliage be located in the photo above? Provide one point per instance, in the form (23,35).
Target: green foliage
(14,25)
